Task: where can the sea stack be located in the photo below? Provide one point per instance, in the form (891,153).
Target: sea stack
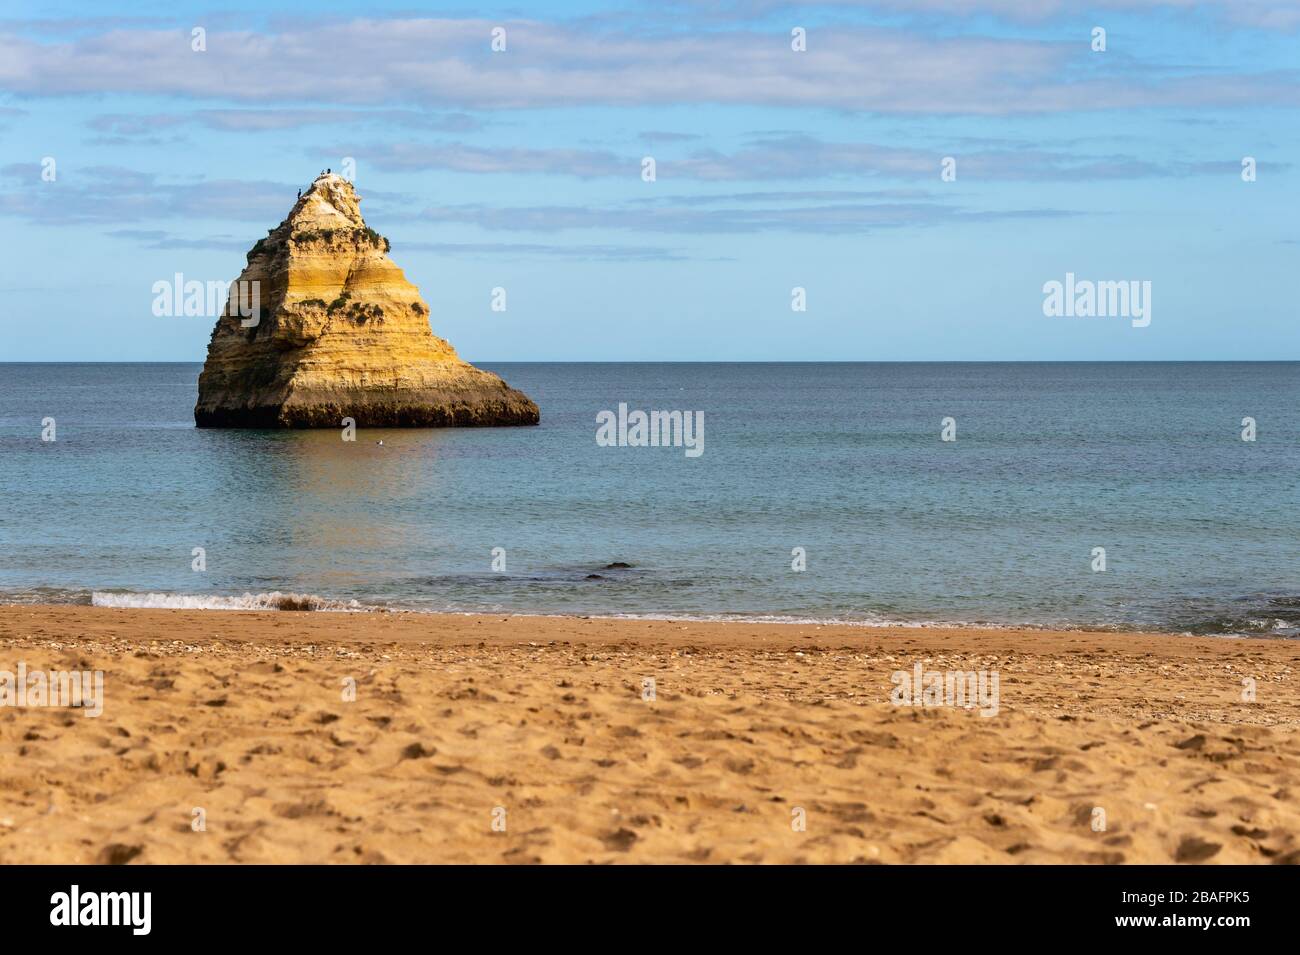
(339,333)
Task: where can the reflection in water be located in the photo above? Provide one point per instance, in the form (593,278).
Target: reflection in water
(350,512)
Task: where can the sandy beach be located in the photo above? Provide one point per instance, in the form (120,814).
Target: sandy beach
(234,737)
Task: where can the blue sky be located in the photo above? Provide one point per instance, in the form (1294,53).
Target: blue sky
(775,169)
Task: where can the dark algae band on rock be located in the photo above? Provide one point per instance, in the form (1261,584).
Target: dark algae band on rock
(339,333)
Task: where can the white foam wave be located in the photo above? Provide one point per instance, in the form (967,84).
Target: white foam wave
(272,601)
(867,622)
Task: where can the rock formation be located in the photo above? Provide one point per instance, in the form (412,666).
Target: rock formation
(340,333)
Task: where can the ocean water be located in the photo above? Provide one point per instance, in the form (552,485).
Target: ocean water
(1201,529)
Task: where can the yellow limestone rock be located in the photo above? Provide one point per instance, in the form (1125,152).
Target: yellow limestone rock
(340,334)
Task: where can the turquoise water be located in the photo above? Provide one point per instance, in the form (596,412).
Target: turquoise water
(1201,529)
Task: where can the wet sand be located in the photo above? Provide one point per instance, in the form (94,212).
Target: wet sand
(531,739)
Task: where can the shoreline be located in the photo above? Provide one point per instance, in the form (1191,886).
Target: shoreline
(241,714)
(296,603)
(367,612)
(405,624)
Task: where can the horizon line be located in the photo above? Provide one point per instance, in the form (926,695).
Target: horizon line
(809,361)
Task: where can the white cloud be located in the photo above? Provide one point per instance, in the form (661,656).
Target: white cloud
(448,63)
(1281,15)
(700,216)
(791,157)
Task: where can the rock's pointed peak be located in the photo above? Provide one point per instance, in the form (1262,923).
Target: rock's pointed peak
(330,202)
